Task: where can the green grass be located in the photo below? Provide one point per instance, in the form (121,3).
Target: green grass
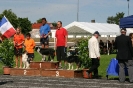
(104,62)
(1,68)
(37,58)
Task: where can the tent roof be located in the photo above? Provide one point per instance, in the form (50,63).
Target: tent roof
(90,28)
(126,22)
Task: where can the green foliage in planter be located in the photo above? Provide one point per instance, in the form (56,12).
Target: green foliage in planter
(84,53)
(7,52)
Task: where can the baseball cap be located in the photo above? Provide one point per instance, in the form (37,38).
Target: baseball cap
(96,32)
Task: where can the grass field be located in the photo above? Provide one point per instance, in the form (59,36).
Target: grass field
(104,62)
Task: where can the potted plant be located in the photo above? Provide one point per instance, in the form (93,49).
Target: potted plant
(7,54)
(84,56)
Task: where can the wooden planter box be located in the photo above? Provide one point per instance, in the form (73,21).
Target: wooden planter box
(85,75)
(6,70)
(44,65)
(62,73)
(24,72)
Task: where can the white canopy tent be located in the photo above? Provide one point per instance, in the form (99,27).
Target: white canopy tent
(86,28)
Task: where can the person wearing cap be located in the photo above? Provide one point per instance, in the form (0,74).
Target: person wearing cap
(94,54)
(124,56)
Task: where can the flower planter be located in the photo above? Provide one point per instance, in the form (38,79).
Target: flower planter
(6,70)
(85,75)
(7,54)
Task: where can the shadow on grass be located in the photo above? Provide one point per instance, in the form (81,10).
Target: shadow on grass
(117,79)
(5,82)
(99,76)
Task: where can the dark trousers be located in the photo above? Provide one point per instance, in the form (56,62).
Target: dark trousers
(61,53)
(94,67)
(122,65)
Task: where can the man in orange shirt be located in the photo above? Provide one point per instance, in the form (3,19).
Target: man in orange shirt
(18,41)
(29,46)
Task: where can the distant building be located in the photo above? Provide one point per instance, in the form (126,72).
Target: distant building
(36,27)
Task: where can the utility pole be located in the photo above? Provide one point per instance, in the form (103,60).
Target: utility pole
(78,11)
(128,7)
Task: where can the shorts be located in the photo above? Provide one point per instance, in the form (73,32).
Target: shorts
(44,41)
(18,52)
(30,55)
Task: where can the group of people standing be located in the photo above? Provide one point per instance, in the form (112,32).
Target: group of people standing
(19,43)
(60,40)
(124,46)
(29,44)
(104,49)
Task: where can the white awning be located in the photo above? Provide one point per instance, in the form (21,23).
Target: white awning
(86,28)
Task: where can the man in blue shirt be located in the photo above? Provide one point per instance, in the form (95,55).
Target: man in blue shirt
(44,33)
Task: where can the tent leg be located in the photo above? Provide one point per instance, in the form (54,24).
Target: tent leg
(107,44)
(108,52)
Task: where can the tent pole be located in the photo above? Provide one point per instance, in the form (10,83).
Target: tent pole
(107,44)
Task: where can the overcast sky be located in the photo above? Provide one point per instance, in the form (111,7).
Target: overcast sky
(66,10)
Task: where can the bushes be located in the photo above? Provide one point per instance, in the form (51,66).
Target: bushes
(7,52)
(84,53)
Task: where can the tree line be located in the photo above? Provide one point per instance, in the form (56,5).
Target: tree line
(22,23)
(26,25)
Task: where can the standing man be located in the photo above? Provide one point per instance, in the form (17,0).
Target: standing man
(18,41)
(44,33)
(61,43)
(124,56)
(94,54)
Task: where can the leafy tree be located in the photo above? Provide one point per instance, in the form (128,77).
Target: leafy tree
(84,53)
(7,52)
(110,20)
(115,19)
(11,17)
(25,25)
(39,20)
(54,24)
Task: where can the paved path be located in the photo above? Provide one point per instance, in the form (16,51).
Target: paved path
(47,82)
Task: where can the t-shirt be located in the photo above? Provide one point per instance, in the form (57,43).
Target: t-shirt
(44,29)
(18,38)
(61,36)
(29,44)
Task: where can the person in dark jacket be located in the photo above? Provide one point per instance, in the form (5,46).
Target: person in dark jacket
(124,56)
